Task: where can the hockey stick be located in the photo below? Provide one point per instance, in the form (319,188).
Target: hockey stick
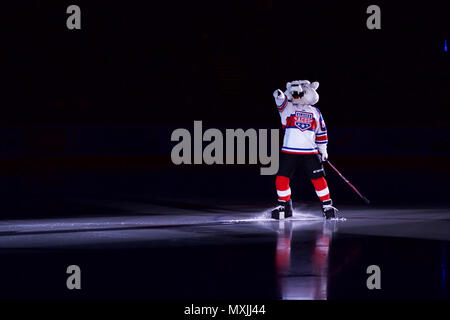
(348,182)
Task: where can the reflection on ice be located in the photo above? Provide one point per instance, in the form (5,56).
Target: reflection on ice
(297,280)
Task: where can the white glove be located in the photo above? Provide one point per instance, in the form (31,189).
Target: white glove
(278,94)
(323,155)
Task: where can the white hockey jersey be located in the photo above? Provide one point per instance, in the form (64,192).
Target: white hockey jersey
(305,130)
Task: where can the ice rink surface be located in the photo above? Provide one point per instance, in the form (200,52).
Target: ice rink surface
(158,251)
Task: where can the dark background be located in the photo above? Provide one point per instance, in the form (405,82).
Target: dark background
(88,113)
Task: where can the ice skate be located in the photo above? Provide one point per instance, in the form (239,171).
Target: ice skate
(283,210)
(328,210)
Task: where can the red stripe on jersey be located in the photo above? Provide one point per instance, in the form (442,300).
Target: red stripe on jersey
(280,108)
(315,152)
(322,138)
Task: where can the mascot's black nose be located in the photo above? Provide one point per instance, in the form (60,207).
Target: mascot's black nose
(297,94)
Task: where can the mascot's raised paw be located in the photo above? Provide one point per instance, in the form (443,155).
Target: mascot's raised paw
(278,94)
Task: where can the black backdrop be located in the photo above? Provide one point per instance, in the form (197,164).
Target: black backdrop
(143,61)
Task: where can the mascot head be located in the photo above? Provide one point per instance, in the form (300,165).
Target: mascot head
(302,92)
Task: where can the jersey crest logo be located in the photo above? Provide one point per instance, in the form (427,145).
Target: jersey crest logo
(303,120)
